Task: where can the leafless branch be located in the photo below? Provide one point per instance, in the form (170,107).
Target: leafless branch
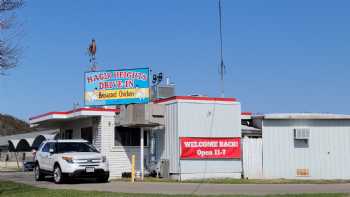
(9,53)
(8,5)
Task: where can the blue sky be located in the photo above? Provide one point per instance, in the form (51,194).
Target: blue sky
(282,56)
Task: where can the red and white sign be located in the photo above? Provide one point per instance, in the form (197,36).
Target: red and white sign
(210,148)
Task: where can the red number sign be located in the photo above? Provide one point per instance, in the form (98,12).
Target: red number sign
(210,148)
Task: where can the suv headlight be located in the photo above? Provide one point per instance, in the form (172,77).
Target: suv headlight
(68,159)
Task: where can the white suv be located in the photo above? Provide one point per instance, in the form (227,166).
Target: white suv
(66,159)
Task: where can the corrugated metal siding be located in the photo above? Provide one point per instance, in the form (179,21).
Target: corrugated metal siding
(252,157)
(194,119)
(171,144)
(325,157)
(205,169)
(209,120)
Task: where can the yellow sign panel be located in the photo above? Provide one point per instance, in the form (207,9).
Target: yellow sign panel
(118,94)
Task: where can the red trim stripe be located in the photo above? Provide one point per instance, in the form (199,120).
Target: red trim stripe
(195,98)
(247,113)
(77,110)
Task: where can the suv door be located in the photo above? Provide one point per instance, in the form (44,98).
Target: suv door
(43,155)
(51,160)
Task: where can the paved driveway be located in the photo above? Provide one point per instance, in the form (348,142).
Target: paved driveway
(182,188)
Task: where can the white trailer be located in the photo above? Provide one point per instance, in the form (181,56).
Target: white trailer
(204,122)
(305,146)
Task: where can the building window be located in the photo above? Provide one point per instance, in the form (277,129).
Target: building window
(301,143)
(301,137)
(86,134)
(126,136)
(68,134)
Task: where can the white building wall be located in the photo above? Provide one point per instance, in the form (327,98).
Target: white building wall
(201,119)
(97,135)
(76,126)
(106,130)
(171,143)
(119,157)
(326,157)
(252,158)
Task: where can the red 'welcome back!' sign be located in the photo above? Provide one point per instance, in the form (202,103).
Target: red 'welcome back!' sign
(210,148)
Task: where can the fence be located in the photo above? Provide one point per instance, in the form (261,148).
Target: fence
(252,158)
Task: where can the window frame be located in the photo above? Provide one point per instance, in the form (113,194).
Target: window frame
(86,129)
(70,132)
(44,146)
(138,140)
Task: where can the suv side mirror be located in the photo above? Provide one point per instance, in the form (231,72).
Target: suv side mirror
(51,151)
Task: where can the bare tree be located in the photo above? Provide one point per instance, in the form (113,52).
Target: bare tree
(9,52)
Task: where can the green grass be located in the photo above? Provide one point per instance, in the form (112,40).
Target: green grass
(11,189)
(243,181)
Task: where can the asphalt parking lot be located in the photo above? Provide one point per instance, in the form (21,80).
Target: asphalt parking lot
(180,188)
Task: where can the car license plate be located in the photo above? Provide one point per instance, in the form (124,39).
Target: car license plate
(90,169)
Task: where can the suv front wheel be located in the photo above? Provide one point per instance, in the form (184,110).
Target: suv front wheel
(37,173)
(58,177)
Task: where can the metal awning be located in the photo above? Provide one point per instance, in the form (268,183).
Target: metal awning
(52,117)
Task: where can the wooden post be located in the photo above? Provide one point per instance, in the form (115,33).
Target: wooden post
(141,154)
(133,168)
(17,159)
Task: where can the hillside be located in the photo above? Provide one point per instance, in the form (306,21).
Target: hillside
(10,125)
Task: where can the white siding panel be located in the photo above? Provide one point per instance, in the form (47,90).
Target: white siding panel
(200,119)
(97,135)
(209,120)
(204,169)
(120,159)
(209,175)
(107,125)
(325,157)
(171,137)
(252,157)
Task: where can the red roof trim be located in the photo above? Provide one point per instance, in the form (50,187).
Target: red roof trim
(247,113)
(195,98)
(76,110)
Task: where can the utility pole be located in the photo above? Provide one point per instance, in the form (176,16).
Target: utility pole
(222,67)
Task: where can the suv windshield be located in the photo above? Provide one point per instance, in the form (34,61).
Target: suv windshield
(64,147)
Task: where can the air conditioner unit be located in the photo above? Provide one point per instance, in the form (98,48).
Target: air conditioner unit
(141,115)
(164,168)
(162,91)
(301,133)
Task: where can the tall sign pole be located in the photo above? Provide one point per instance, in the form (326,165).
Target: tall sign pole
(222,67)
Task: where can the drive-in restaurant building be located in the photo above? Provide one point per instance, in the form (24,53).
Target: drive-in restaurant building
(181,137)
